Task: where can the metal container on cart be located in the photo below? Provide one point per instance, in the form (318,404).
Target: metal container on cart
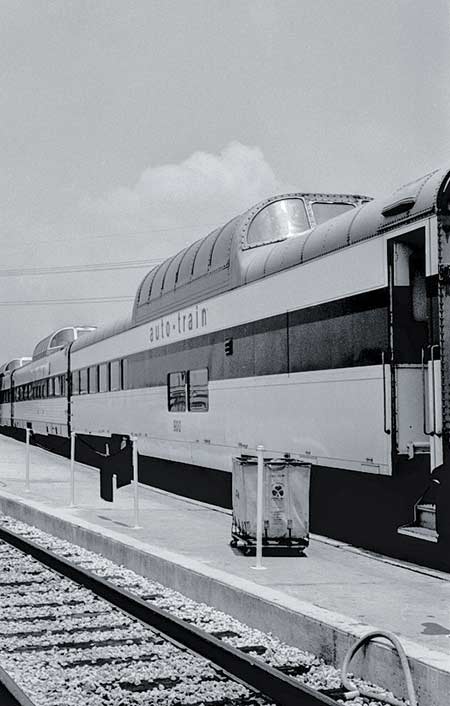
(285,503)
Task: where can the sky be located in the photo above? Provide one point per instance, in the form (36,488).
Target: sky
(130,129)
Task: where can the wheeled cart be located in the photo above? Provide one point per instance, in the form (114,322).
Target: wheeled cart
(285,503)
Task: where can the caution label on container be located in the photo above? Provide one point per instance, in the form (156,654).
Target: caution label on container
(277,499)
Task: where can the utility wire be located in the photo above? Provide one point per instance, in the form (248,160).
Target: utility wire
(52,302)
(131,234)
(95,267)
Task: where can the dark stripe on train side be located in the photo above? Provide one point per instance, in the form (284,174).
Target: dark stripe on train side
(345,333)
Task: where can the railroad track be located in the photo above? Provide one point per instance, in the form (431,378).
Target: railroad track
(73,637)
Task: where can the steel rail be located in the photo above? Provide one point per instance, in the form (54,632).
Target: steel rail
(10,693)
(272,683)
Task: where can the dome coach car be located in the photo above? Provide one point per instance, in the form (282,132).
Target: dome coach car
(317,325)
(35,394)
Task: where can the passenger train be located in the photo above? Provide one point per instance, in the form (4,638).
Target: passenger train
(315,324)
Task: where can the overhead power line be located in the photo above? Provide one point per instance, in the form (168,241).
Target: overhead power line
(64,269)
(130,234)
(52,302)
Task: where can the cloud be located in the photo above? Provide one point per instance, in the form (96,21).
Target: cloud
(201,189)
(168,207)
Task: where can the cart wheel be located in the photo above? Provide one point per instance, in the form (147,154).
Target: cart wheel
(233,543)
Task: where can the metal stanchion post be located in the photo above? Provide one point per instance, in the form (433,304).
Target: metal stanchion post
(135,483)
(72,468)
(259,506)
(27,461)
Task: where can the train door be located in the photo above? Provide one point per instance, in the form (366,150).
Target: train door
(415,360)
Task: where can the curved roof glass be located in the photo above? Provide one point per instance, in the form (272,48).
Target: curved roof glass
(277,221)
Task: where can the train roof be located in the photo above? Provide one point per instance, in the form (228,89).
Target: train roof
(275,234)
(232,255)
(58,339)
(100,334)
(212,265)
(14,364)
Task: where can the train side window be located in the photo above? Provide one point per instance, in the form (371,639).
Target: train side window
(418,288)
(115,375)
(104,377)
(176,388)
(198,390)
(76,382)
(62,384)
(124,373)
(56,386)
(84,381)
(93,378)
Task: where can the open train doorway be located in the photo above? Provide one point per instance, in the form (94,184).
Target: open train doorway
(415,368)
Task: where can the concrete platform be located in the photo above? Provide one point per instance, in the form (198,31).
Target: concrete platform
(322,602)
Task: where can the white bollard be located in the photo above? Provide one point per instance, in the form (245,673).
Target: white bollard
(135,483)
(72,468)
(259,507)
(27,461)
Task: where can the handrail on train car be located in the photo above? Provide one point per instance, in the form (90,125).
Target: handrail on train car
(386,428)
(436,345)
(432,431)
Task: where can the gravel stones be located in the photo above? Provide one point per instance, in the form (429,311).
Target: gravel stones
(57,638)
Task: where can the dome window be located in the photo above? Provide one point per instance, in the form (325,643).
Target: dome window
(278,220)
